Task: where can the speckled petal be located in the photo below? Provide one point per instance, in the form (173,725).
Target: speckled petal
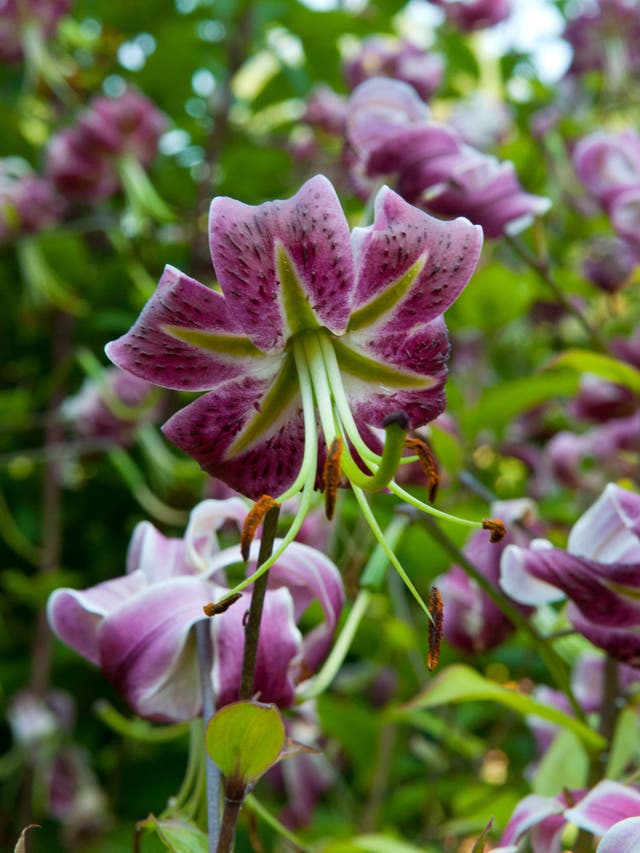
(161,346)
(75,616)
(148,654)
(208,429)
(312,230)
(438,256)
(278,648)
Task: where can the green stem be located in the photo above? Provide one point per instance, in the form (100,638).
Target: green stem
(257,808)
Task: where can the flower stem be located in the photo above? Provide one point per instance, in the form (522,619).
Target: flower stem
(212,773)
(229,821)
(252,629)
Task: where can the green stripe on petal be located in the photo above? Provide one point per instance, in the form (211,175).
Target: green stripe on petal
(372,371)
(233,345)
(295,301)
(388,299)
(273,403)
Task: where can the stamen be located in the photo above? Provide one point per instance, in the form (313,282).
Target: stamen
(497,528)
(331,476)
(218,607)
(253,521)
(435,627)
(429,463)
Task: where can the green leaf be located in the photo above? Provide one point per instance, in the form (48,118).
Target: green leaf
(604,366)
(564,765)
(624,746)
(244,739)
(373,844)
(481,840)
(460,683)
(500,404)
(179,836)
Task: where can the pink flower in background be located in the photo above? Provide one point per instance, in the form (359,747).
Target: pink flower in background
(17,16)
(382,56)
(391,133)
(603,29)
(28,202)
(137,628)
(599,573)
(471,15)
(86,161)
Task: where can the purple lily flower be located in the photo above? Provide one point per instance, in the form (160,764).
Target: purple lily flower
(599,572)
(137,628)
(28,203)
(473,622)
(379,56)
(86,161)
(470,15)
(390,131)
(17,16)
(305,313)
(608,164)
(610,263)
(598,811)
(111,407)
(601,25)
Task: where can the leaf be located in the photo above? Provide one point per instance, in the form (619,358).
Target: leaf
(624,744)
(244,739)
(460,683)
(604,366)
(21,846)
(373,844)
(564,765)
(500,404)
(478,847)
(179,836)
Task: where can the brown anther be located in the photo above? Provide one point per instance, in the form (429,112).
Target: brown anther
(497,528)
(435,627)
(568,798)
(331,475)
(429,463)
(245,618)
(218,607)
(252,522)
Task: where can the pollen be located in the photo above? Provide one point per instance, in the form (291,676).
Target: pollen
(252,522)
(436,610)
(428,461)
(218,607)
(331,476)
(497,528)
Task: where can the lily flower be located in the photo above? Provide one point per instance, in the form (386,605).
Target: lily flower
(137,628)
(599,572)
(313,326)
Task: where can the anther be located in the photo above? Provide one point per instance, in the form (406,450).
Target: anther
(331,475)
(218,607)
(428,461)
(497,528)
(435,627)
(253,521)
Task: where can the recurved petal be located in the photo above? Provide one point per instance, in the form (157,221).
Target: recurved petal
(530,812)
(410,267)
(157,556)
(519,582)
(187,337)
(604,806)
(623,837)
(200,540)
(75,616)
(609,531)
(312,230)
(148,654)
(278,649)
(309,576)
(620,643)
(249,432)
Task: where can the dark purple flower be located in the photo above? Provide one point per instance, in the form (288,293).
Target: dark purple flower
(608,164)
(112,407)
(28,203)
(85,161)
(471,15)
(599,573)
(326,109)
(473,623)
(306,313)
(610,262)
(137,628)
(380,56)
(605,29)
(17,16)
(391,133)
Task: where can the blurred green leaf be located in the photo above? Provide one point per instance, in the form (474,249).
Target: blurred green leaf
(604,366)
(179,836)
(564,765)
